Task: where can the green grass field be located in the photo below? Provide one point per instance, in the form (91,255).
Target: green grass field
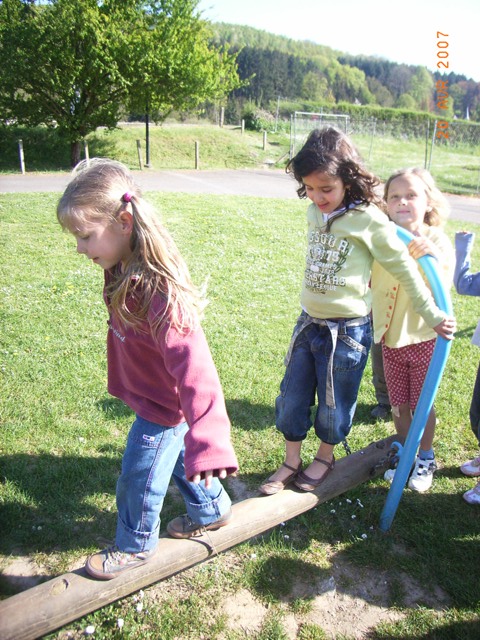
(62,437)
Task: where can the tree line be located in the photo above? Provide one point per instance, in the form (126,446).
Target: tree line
(276,66)
(77,66)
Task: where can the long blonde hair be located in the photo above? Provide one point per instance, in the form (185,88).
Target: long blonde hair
(98,192)
(438,207)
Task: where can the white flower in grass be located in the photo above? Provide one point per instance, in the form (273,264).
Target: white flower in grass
(90,630)
(120,623)
(364,536)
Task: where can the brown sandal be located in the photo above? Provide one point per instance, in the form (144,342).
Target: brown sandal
(270,487)
(306,483)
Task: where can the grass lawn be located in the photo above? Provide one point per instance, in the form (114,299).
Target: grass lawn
(62,437)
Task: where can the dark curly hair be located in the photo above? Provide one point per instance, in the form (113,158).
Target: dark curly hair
(330,151)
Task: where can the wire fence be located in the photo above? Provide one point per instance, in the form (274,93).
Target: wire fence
(450,150)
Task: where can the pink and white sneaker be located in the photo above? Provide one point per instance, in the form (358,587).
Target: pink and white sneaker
(473,495)
(471,468)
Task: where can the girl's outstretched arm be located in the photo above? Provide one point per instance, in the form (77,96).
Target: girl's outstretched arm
(466,283)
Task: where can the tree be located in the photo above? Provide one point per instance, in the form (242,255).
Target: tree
(381,94)
(348,83)
(78,64)
(315,87)
(421,88)
(466,97)
(399,80)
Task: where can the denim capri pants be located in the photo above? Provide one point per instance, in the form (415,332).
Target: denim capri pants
(326,358)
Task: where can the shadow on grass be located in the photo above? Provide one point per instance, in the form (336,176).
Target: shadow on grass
(255,417)
(465,333)
(462,630)
(434,538)
(113,408)
(438,530)
(60,503)
(248,416)
(56,504)
(47,504)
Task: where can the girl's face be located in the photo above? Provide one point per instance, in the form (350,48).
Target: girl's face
(407,202)
(106,244)
(325,191)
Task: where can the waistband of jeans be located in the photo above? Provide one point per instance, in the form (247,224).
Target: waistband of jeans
(349,322)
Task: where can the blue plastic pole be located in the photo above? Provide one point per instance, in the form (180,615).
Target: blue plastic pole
(427,395)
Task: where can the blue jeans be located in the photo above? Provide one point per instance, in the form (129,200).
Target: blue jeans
(152,456)
(334,378)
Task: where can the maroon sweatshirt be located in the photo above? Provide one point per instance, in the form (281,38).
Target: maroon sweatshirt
(169,380)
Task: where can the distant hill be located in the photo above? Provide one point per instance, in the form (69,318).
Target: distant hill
(279,67)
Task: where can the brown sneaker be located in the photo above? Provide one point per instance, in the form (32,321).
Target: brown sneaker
(107,564)
(184,527)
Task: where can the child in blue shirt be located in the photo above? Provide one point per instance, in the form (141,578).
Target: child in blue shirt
(468,284)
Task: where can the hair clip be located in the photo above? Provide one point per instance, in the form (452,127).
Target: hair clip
(127,196)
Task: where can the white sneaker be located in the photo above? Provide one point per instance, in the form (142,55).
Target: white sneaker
(389,475)
(422,475)
(473,496)
(471,468)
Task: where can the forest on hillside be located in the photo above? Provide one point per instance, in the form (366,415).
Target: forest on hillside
(276,68)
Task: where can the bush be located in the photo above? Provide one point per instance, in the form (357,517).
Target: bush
(258,119)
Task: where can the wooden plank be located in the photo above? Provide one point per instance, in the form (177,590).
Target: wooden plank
(50,605)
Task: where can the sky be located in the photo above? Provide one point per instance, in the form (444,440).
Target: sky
(403,32)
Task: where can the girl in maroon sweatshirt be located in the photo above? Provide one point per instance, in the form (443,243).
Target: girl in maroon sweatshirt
(159,364)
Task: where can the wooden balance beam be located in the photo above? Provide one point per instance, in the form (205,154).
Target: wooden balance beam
(52,604)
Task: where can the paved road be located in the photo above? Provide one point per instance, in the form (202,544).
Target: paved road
(268,183)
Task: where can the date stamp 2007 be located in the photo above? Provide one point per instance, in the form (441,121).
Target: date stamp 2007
(442,85)
(442,53)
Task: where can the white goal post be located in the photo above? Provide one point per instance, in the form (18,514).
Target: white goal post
(302,122)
